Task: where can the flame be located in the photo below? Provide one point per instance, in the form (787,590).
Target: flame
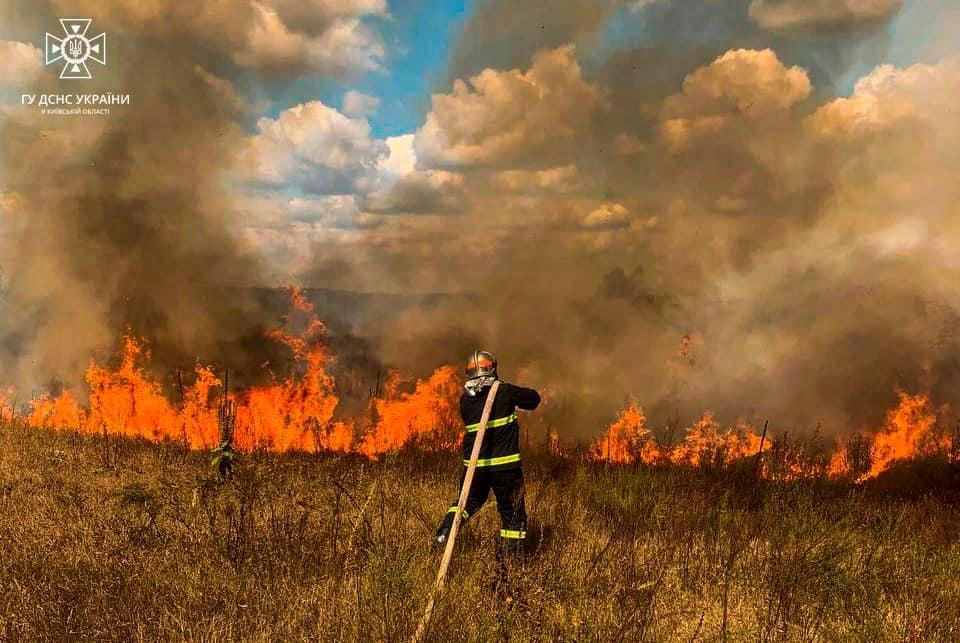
(707,443)
(910,431)
(627,440)
(293,413)
(61,412)
(125,401)
(907,434)
(298,413)
(428,416)
(197,417)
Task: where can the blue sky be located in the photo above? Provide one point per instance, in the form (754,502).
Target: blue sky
(917,35)
(921,34)
(418,38)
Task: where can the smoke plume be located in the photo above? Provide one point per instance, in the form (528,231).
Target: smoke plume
(704,221)
(126,222)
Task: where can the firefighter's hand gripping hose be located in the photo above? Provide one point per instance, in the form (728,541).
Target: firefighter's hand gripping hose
(461,503)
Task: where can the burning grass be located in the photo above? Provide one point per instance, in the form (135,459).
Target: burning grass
(119,538)
(912,431)
(295,412)
(298,413)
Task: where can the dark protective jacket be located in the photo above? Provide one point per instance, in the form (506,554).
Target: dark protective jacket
(501,442)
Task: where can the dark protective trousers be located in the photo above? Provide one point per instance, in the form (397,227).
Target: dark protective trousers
(508,488)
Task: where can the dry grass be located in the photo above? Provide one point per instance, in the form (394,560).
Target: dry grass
(128,540)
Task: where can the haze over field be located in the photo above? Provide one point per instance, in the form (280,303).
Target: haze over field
(748,206)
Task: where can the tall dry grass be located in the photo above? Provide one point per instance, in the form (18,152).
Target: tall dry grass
(121,539)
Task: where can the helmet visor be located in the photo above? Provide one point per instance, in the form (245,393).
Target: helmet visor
(481,364)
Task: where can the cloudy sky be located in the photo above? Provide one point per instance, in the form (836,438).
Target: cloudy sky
(369,114)
(773,182)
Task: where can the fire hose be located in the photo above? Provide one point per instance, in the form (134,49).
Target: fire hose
(457,516)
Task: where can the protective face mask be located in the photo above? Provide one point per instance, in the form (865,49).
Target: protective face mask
(477,384)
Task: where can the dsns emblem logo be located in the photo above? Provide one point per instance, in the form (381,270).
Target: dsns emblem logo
(75,48)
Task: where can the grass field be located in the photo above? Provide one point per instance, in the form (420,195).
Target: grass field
(124,539)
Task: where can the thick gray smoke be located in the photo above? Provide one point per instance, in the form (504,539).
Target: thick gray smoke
(123,222)
(698,221)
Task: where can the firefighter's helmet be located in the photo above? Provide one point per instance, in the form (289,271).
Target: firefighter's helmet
(481,364)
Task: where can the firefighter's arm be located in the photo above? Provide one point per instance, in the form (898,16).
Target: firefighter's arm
(525,398)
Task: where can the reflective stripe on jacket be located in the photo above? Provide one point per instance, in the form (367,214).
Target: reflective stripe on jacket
(501,442)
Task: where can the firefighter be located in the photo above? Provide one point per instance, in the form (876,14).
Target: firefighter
(498,465)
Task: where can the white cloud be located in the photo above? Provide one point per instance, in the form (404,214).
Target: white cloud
(314,15)
(509,118)
(637,5)
(315,148)
(277,212)
(402,189)
(740,84)
(899,137)
(890,98)
(336,210)
(749,81)
(402,159)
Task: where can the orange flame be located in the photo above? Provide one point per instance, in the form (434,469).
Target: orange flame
(627,440)
(707,443)
(428,416)
(297,412)
(125,401)
(292,413)
(910,431)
